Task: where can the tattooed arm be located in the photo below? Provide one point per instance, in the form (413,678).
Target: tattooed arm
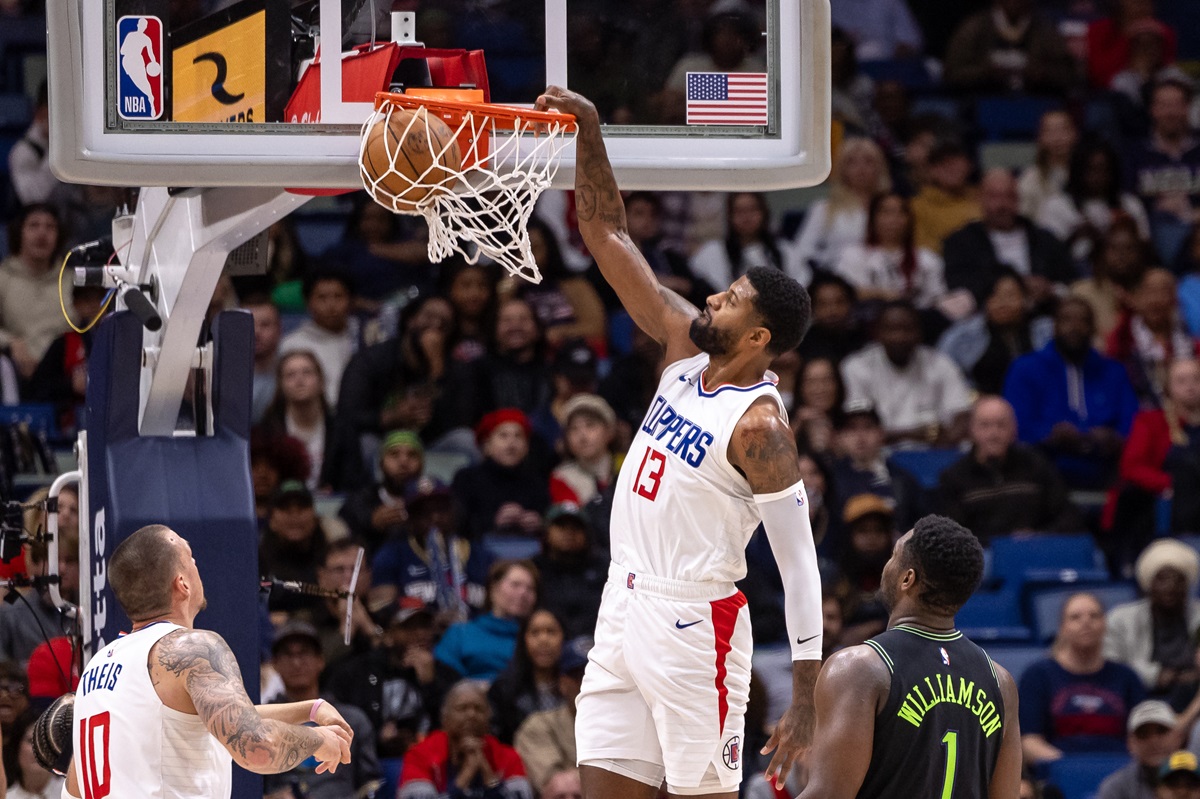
(194,671)
(763,449)
(663,314)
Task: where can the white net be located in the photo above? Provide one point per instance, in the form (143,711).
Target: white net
(477,198)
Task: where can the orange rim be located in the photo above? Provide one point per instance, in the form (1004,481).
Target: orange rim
(504,117)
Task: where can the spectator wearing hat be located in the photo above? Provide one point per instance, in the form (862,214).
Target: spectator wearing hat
(919,394)
(546,739)
(529,683)
(1076,700)
(1156,636)
(398,685)
(1179,777)
(428,560)
(1071,401)
(1110,40)
(292,547)
(461,760)
(377,511)
(588,468)
(948,200)
(1002,487)
(977,253)
(481,648)
(505,493)
(870,526)
(574,372)
(863,469)
(1152,726)
(274,459)
(298,660)
(573,574)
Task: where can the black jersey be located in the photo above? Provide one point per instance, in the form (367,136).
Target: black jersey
(938,736)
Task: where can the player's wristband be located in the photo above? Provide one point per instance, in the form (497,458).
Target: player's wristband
(312,714)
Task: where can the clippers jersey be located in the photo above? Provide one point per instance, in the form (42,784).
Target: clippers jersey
(128,743)
(939,733)
(681,511)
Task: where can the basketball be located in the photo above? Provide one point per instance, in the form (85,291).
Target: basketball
(407,155)
(154,69)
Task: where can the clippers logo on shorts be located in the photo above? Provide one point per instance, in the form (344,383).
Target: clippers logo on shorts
(732,753)
(139,67)
(680,435)
(629,581)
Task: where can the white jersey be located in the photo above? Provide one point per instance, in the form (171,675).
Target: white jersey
(129,744)
(681,510)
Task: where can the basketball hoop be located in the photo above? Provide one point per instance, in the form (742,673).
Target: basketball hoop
(509,156)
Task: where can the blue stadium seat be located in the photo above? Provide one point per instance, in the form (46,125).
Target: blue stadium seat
(320,231)
(16,112)
(926,465)
(1047,558)
(511,547)
(1017,658)
(40,416)
(1079,776)
(1045,604)
(993,616)
(1009,118)
(911,72)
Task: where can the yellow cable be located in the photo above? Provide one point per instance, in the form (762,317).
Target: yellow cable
(62,303)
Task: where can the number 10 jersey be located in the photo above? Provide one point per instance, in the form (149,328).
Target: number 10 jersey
(681,510)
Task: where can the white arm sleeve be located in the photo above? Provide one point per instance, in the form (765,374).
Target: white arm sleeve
(785,518)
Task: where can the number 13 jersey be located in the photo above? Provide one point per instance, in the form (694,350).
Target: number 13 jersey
(681,510)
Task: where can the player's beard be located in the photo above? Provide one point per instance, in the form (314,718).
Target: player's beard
(705,335)
(887,596)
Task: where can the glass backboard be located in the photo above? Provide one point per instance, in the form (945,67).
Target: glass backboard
(694,94)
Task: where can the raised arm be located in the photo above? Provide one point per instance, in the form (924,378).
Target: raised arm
(194,671)
(660,312)
(763,449)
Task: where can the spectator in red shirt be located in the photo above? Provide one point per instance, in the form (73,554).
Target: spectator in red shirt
(1109,40)
(461,760)
(1161,460)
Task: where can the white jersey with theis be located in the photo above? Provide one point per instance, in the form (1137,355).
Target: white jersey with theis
(129,744)
(681,510)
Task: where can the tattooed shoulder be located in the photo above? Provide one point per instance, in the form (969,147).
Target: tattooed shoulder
(183,650)
(763,448)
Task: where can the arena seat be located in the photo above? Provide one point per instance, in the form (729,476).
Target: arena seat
(41,417)
(926,465)
(1009,118)
(993,616)
(511,547)
(1046,558)
(1016,658)
(1045,604)
(1079,776)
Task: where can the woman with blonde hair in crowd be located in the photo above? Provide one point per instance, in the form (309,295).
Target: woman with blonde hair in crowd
(1047,175)
(834,223)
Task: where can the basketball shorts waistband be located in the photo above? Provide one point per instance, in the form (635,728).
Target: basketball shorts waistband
(641,582)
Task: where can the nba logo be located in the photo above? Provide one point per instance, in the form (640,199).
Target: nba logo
(139,67)
(731,754)
(945,656)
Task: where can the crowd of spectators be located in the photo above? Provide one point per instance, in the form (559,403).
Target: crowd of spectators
(1035,316)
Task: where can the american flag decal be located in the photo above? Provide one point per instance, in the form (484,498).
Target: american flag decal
(727,98)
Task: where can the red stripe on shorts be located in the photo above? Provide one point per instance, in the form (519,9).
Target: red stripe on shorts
(724,619)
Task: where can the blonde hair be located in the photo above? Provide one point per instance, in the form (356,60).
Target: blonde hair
(841,198)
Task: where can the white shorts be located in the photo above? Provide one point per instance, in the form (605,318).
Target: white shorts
(667,683)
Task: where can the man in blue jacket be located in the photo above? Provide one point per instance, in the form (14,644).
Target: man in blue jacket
(1072,401)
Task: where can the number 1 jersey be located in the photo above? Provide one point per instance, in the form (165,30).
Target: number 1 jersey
(681,510)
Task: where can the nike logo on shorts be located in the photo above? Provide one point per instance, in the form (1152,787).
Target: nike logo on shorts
(806,640)
(679,623)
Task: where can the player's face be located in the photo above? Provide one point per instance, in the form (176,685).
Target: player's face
(725,319)
(893,574)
